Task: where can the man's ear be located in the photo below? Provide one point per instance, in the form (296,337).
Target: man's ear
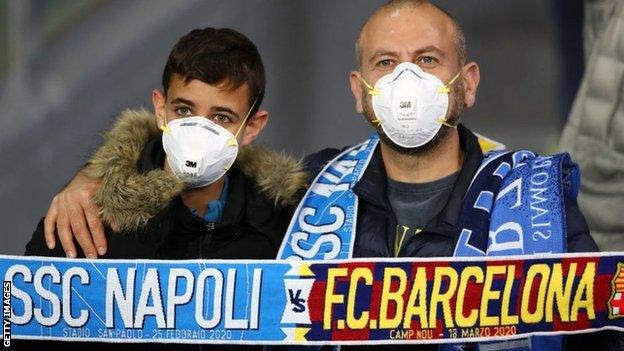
(254,126)
(159,101)
(356,89)
(471,77)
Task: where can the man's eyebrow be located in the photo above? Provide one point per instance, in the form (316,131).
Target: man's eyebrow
(226,110)
(184,101)
(429,48)
(382,52)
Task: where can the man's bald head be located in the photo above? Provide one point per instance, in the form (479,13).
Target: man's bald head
(395,5)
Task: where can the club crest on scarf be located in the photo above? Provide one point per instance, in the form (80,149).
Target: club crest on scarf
(616,301)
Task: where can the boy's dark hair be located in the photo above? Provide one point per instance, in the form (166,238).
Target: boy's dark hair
(217,55)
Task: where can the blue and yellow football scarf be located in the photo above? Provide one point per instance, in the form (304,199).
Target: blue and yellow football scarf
(346,302)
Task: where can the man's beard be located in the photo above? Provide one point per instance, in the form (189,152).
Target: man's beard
(456,106)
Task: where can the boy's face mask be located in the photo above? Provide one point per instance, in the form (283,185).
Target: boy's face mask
(410,104)
(198,150)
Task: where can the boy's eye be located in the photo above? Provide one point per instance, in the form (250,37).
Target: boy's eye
(183,111)
(221,119)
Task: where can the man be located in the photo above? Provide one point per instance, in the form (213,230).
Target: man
(420,205)
(169,181)
(412,189)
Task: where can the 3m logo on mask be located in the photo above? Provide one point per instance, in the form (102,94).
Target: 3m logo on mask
(191,169)
(405,109)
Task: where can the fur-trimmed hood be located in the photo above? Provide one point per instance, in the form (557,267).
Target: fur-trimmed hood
(128,198)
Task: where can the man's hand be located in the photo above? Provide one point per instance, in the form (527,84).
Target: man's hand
(73,213)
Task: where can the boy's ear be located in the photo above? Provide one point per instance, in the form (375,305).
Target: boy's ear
(255,125)
(159,101)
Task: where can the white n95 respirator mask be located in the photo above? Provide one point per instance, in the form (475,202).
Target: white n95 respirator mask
(410,104)
(199,151)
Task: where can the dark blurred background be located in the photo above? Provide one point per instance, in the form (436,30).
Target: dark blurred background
(67,67)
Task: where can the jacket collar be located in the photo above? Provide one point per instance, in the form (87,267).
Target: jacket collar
(368,187)
(153,158)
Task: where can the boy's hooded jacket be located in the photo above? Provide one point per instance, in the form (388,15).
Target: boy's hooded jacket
(144,203)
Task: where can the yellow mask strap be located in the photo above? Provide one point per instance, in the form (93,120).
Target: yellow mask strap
(371,89)
(443,121)
(164,127)
(446,88)
(233,142)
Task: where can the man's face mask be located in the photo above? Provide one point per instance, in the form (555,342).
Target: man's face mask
(198,150)
(410,104)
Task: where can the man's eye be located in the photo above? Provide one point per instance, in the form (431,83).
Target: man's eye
(184,111)
(426,60)
(384,63)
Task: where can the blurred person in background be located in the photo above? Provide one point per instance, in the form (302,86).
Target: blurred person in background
(594,133)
